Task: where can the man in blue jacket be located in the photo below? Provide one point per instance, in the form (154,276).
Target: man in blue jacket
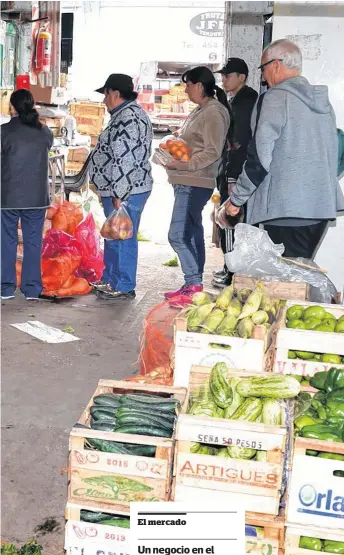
(289,180)
(121,171)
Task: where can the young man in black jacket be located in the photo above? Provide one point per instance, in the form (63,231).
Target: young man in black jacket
(242,100)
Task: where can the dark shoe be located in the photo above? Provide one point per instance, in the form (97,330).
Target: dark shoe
(220,273)
(111,294)
(220,283)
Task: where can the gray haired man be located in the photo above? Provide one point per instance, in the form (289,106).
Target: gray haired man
(289,180)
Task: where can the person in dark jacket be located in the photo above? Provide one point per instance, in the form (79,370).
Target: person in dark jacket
(242,100)
(25,145)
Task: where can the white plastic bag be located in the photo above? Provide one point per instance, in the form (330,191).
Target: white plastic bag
(256,256)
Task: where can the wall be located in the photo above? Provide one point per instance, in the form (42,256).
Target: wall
(112,38)
(319,29)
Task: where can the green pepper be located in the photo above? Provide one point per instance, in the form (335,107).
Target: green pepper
(335,456)
(334,408)
(318,380)
(317,405)
(331,546)
(303,420)
(323,432)
(310,543)
(334,379)
(320,396)
(336,421)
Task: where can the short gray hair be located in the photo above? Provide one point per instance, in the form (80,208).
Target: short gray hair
(287,51)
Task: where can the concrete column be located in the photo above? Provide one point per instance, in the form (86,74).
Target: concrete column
(244,35)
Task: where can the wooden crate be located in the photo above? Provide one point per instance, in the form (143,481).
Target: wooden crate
(277,289)
(316,496)
(85,109)
(293,534)
(253,355)
(272,542)
(89,125)
(211,478)
(306,340)
(85,538)
(134,478)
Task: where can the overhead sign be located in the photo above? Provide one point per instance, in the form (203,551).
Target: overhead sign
(208,24)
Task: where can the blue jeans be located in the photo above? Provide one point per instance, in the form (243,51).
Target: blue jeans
(32,222)
(120,257)
(186,234)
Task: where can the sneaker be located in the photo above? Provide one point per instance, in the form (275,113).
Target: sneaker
(99,285)
(220,273)
(186,290)
(221,283)
(41,297)
(113,294)
(6,297)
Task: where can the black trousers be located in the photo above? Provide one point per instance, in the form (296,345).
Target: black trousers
(299,241)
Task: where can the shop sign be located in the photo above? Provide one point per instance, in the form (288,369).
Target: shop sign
(208,24)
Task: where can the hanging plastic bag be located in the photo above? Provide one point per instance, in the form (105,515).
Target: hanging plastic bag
(92,262)
(118,225)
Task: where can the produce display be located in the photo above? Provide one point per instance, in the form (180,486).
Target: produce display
(251,399)
(313,318)
(316,357)
(322,416)
(177,148)
(231,313)
(140,414)
(315,544)
(104,518)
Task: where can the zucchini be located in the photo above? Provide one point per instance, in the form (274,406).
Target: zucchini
(219,385)
(271,413)
(143,430)
(107,400)
(104,414)
(169,405)
(236,399)
(149,399)
(274,387)
(249,410)
(82,426)
(103,426)
(140,450)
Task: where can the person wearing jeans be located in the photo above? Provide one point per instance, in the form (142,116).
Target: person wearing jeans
(120,257)
(205,132)
(186,234)
(121,172)
(25,145)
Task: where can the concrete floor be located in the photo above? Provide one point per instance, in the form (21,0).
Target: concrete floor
(46,387)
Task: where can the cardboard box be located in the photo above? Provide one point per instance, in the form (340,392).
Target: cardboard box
(49,95)
(78,155)
(90,125)
(5,101)
(85,109)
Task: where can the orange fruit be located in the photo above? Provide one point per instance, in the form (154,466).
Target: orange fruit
(178,154)
(163,146)
(180,144)
(185,157)
(173,149)
(170,142)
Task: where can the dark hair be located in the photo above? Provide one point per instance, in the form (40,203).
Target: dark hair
(125,93)
(203,75)
(23,103)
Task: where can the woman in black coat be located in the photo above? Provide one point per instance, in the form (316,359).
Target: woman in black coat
(25,145)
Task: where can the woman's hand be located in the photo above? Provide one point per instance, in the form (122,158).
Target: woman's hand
(177,165)
(231,210)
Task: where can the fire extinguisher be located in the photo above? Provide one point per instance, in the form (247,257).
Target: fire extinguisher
(43,51)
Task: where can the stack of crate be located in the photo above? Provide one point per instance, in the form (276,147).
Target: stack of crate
(107,482)
(90,118)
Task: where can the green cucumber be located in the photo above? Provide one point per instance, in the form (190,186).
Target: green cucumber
(144,419)
(275,387)
(143,430)
(144,411)
(272,412)
(149,399)
(90,516)
(107,400)
(104,414)
(168,405)
(107,446)
(103,426)
(141,450)
(249,410)
(116,522)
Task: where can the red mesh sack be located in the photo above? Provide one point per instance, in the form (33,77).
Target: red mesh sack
(68,217)
(57,242)
(157,340)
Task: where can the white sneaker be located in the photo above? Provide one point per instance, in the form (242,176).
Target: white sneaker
(4,298)
(32,298)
